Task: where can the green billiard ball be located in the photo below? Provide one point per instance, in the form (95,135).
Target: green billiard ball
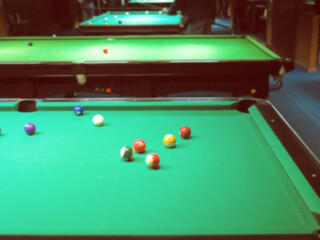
(127,153)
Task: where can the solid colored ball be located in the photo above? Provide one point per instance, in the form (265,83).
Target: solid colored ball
(139,146)
(78,110)
(169,140)
(98,120)
(30,128)
(127,153)
(185,132)
(120,22)
(30,43)
(153,160)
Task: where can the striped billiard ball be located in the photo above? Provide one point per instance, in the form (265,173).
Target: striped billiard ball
(127,153)
(153,160)
(169,141)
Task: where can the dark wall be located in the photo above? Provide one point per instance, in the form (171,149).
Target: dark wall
(317,7)
(46,15)
(284,22)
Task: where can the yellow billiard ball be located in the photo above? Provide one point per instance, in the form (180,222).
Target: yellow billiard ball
(169,141)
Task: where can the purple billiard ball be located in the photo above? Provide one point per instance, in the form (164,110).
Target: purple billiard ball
(30,128)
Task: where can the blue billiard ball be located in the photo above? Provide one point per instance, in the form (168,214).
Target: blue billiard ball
(30,128)
(78,110)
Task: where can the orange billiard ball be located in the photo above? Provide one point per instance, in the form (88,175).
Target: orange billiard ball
(185,132)
(105,50)
(139,146)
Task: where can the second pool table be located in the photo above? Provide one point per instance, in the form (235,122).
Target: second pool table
(243,174)
(150,4)
(142,66)
(132,22)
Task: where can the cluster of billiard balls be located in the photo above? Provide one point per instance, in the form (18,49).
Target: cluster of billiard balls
(152,159)
(139,145)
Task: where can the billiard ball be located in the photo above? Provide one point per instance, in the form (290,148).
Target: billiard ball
(169,141)
(185,132)
(98,120)
(30,43)
(115,16)
(127,13)
(147,12)
(30,128)
(119,21)
(106,19)
(139,146)
(89,23)
(105,50)
(108,90)
(78,110)
(127,153)
(153,160)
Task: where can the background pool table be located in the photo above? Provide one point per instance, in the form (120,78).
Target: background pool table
(146,66)
(243,174)
(132,22)
(151,4)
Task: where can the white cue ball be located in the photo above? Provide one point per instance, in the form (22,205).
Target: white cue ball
(98,120)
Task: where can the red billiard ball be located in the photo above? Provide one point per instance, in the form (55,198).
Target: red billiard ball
(185,132)
(105,50)
(139,146)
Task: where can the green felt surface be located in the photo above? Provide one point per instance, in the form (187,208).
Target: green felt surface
(69,177)
(137,18)
(141,48)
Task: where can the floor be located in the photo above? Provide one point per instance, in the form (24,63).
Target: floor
(298,101)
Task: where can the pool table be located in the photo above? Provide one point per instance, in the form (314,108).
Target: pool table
(132,22)
(150,4)
(243,174)
(141,66)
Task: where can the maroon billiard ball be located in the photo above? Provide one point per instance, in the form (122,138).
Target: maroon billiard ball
(30,128)
(185,132)
(139,146)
